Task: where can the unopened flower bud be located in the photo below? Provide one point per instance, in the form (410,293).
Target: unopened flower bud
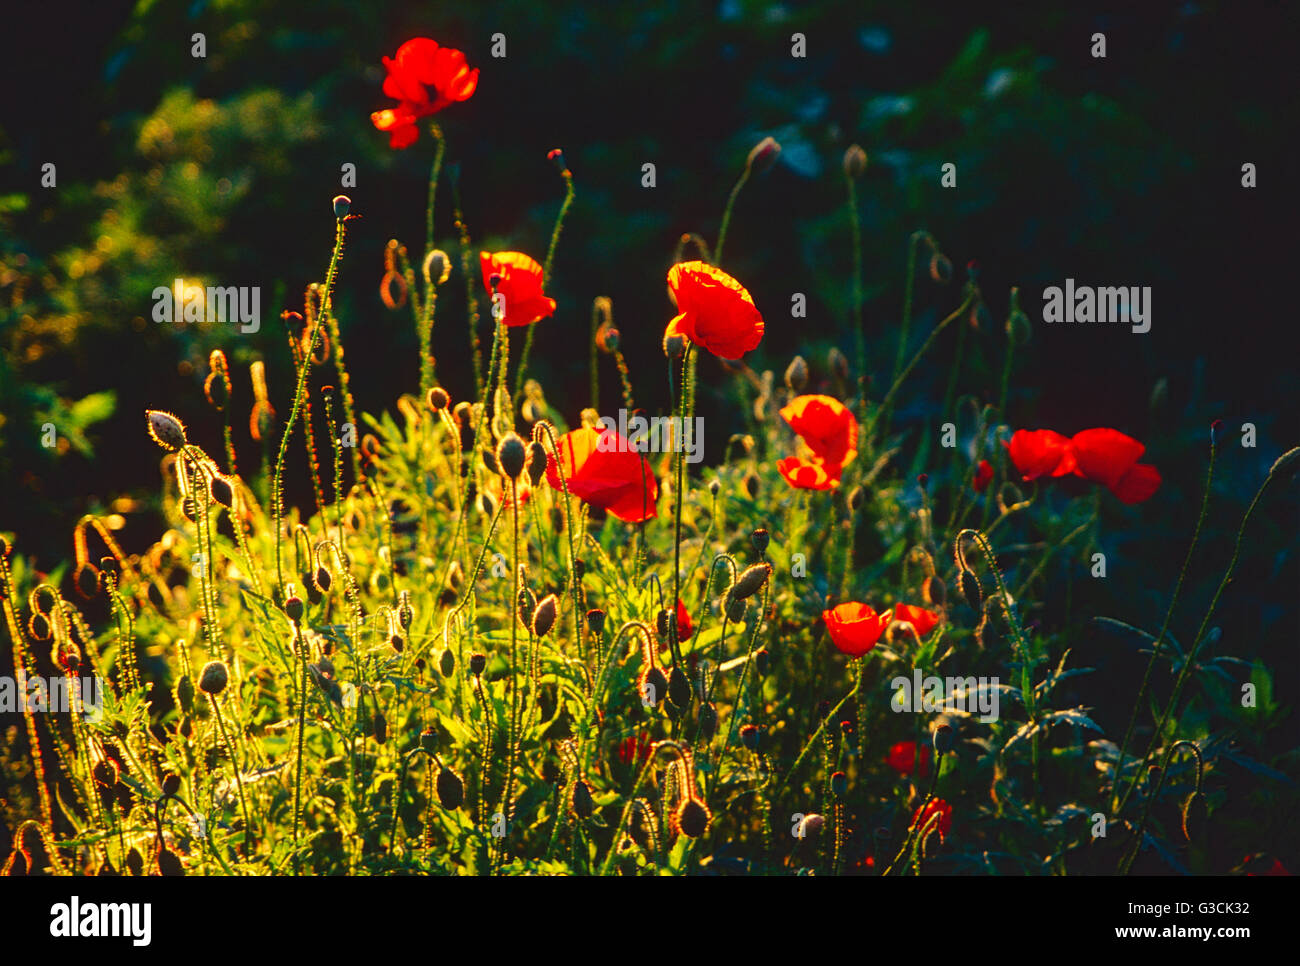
(855,162)
(213,679)
(342,204)
(477,664)
(796,374)
(763,155)
(437,399)
(544,616)
(511,456)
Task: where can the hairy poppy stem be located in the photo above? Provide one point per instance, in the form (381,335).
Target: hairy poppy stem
(726,215)
(567,175)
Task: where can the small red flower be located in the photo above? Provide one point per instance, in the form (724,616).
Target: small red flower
(684,626)
(609,475)
(715,310)
(1040,452)
(855,627)
(807,474)
(635,749)
(902,758)
(936,807)
(923,620)
(827,426)
(983,476)
(421,67)
(519,282)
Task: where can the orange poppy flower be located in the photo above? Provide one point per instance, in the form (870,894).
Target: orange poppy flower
(923,620)
(827,426)
(611,476)
(855,627)
(1040,452)
(715,310)
(520,284)
(421,66)
(807,474)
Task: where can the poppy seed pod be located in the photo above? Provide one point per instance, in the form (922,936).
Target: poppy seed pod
(796,374)
(293,606)
(437,399)
(451,790)
(751,736)
(342,204)
(167,431)
(943,739)
(751,579)
(708,718)
(214,677)
(596,621)
(839,784)
(511,456)
(429,741)
(477,664)
(674,346)
(536,462)
(760,539)
(544,616)
(855,162)
(763,155)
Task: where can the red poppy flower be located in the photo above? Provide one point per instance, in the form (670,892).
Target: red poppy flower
(855,627)
(421,66)
(634,749)
(684,626)
(902,758)
(609,475)
(520,283)
(923,620)
(1109,457)
(1040,452)
(827,426)
(715,310)
(807,474)
(942,809)
(983,476)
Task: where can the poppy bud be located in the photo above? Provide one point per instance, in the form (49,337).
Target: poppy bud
(342,204)
(171,783)
(544,616)
(935,591)
(167,431)
(447,663)
(429,740)
(923,480)
(293,607)
(839,784)
(751,736)
(323,580)
(855,162)
(487,504)
(714,486)
(583,805)
(477,663)
(661,623)
(511,456)
(168,863)
(942,739)
(536,462)
(751,579)
(396,643)
(652,685)
(185,694)
(490,460)
(796,374)
(838,364)
(596,621)
(763,155)
(451,790)
(970,589)
(436,266)
(437,399)
(213,679)
(763,661)
(221,492)
(405,613)
(735,610)
(380,728)
(674,346)
(759,538)
(692,818)
(708,718)
(679,687)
